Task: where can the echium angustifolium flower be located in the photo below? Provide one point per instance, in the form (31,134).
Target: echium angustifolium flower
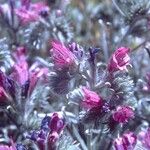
(91,99)
(119,60)
(103,90)
(123,114)
(125,142)
(4,147)
(62,56)
(31,12)
(49,133)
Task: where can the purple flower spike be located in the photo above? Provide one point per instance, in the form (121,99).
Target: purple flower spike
(76,50)
(123,114)
(119,60)
(126,142)
(62,56)
(91,99)
(30,12)
(4,147)
(56,123)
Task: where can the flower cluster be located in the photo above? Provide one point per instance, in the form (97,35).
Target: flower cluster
(119,60)
(51,128)
(62,56)
(127,141)
(65,78)
(91,99)
(29,12)
(123,114)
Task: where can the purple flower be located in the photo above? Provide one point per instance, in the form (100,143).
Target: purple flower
(76,50)
(4,147)
(123,114)
(144,138)
(91,99)
(56,126)
(37,74)
(56,123)
(20,72)
(51,128)
(20,68)
(119,60)
(30,13)
(62,56)
(126,142)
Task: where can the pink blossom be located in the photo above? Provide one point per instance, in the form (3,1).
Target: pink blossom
(20,68)
(35,75)
(56,123)
(4,147)
(126,142)
(20,72)
(62,56)
(123,114)
(31,13)
(144,138)
(119,60)
(91,99)
(56,126)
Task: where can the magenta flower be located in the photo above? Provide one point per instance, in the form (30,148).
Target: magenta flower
(24,75)
(62,56)
(91,99)
(51,128)
(126,142)
(20,69)
(20,73)
(56,126)
(119,60)
(30,13)
(35,75)
(4,147)
(123,114)
(56,123)
(144,138)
